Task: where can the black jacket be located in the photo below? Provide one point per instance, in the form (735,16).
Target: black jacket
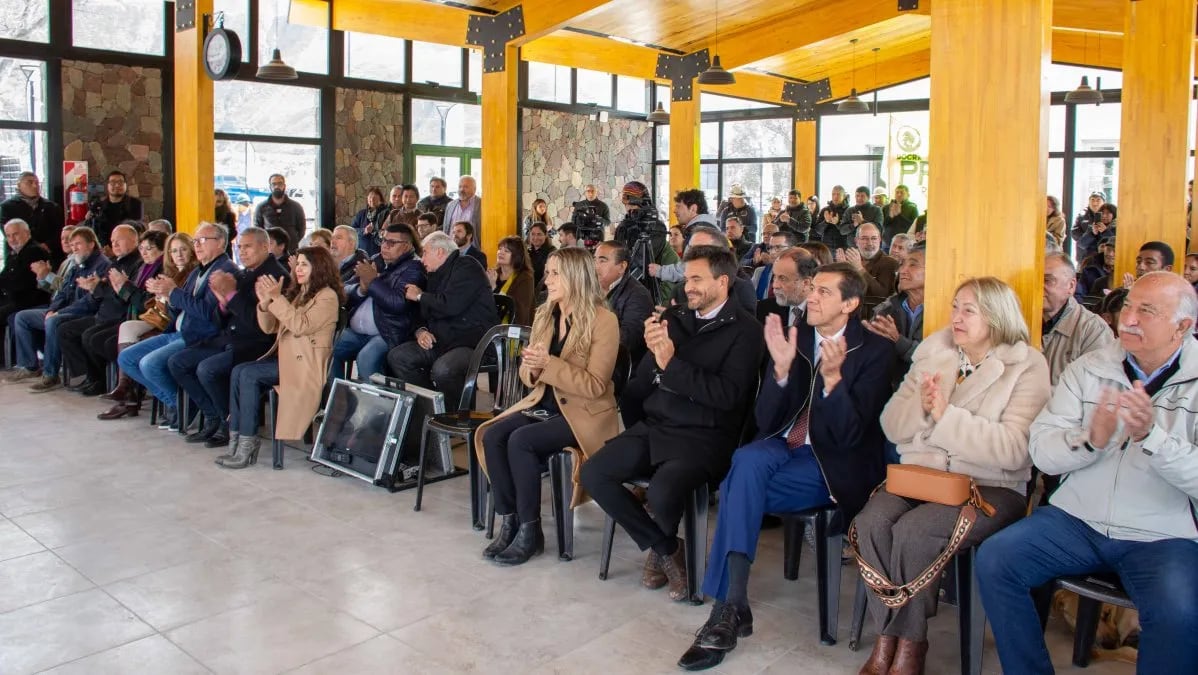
(289,215)
(105,215)
(474,252)
(538,257)
(394,316)
(45,224)
(696,408)
(748,218)
(240,330)
(799,221)
(434,205)
(632,304)
(112,307)
(349,272)
(870,213)
(18,283)
(771,306)
(846,434)
(458,306)
(910,333)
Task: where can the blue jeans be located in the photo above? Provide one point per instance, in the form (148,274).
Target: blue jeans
(248,382)
(766,477)
(1161,577)
(29,323)
(146,363)
(203,372)
(370,351)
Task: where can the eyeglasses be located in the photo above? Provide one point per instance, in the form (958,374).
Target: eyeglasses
(778,247)
(396,242)
(200,241)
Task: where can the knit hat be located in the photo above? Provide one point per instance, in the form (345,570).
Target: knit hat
(634,190)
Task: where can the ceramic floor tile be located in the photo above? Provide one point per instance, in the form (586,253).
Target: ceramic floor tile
(608,653)
(45,495)
(382,655)
(14,543)
(129,555)
(88,521)
(36,578)
(154,654)
(61,630)
(269,637)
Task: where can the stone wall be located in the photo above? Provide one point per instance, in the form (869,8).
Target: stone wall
(564,152)
(370,145)
(112,119)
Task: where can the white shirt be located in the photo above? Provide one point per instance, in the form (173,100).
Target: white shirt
(712,314)
(819,339)
(795,310)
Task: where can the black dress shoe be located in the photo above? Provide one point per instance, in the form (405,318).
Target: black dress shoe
(726,624)
(85,383)
(208,430)
(92,389)
(218,440)
(700,658)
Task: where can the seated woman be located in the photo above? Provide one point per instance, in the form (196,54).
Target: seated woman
(539,249)
(512,276)
(966,406)
(305,317)
(539,213)
(176,260)
(569,363)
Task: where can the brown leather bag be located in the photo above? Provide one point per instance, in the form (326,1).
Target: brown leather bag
(156,315)
(925,485)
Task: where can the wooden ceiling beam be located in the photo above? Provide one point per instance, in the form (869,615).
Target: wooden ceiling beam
(542,17)
(407,19)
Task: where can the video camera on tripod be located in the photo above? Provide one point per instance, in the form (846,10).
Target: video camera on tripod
(589,223)
(644,235)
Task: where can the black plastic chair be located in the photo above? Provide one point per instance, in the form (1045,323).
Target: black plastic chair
(506,308)
(505,341)
(825,522)
(1092,591)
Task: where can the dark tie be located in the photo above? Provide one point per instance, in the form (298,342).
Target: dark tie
(798,432)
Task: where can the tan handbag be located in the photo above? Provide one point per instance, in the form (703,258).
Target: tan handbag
(925,485)
(156,315)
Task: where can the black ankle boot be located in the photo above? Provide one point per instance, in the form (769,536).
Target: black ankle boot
(529,541)
(507,532)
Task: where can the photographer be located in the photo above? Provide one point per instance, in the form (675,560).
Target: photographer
(593,202)
(115,208)
(642,228)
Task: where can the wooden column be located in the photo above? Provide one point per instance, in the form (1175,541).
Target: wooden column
(499,154)
(1158,59)
(806,157)
(684,146)
(194,144)
(988,127)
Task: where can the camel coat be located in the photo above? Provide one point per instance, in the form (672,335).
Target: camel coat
(984,430)
(584,390)
(304,346)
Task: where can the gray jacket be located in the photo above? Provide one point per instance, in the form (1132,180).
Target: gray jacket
(1143,491)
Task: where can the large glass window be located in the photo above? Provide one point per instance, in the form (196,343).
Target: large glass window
(475,70)
(1097,127)
(237,19)
(665,200)
(374,57)
(715,102)
(436,63)
(243,169)
(594,87)
(762,181)
(21,150)
(758,138)
(1056,128)
(914,90)
(709,140)
(663,142)
(852,134)
(305,48)
(631,94)
(137,26)
(25,20)
(663,97)
(1095,174)
(847,174)
(446,123)
(22,90)
(262,109)
(548,82)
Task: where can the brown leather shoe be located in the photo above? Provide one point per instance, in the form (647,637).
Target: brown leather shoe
(674,567)
(909,657)
(883,654)
(120,410)
(121,392)
(652,577)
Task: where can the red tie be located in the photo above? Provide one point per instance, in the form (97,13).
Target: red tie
(798,432)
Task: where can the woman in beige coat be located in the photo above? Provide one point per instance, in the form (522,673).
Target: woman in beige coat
(305,317)
(966,406)
(568,363)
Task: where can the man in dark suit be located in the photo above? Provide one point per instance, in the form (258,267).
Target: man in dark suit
(347,254)
(42,216)
(203,369)
(792,279)
(820,442)
(18,283)
(463,236)
(631,302)
(692,392)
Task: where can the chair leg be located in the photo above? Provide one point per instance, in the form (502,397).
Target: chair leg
(609,535)
(184,404)
(792,546)
(561,487)
(1088,613)
(424,431)
(827,579)
(153,412)
(478,487)
(860,599)
(272,412)
(696,544)
(490,534)
(971,616)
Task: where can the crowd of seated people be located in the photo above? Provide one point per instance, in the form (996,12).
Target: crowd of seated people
(788,375)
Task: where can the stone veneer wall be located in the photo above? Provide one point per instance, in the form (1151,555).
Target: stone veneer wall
(112,118)
(370,147)
(564,152)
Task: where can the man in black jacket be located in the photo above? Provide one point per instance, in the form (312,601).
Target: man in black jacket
(203,369)
(456,310)
(863,211)
(795,217)
(347,254)
(794,271)
(819,442)
(18,283)
(282,211)
(42,216)
(631,302)
(115,208)
(692,391)
(436,201)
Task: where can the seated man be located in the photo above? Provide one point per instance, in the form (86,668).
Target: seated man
(280,245)
(820,441)
(631,302)
(346,253)
(195,314)
(880,270)
(18,283)
(708,235)
(1070,330)
(899,318)
(567,236)
(794,271)
(1122,431)
(778,242)
(693,390)
(380,318)
(72,300)
(426,224)
(1153,256)
(736,237)
(463,236)
(456,310)
(203,368)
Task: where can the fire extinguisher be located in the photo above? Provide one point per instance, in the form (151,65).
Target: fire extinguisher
(77,206)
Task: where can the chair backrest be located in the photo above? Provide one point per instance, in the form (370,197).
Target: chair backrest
(506,307)
(342,323)
(505,341)
(622,371)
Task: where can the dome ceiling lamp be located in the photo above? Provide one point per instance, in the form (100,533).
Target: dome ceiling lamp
(715,73)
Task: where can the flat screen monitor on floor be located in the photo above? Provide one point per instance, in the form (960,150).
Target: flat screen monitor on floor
(427,403)
(361,425)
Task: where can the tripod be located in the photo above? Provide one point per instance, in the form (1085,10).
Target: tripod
(638,266)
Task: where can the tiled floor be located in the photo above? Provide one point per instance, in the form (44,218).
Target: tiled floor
(124,550)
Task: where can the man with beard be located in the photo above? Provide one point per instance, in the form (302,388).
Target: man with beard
(592,200)
(880,269)
(795,217)
(901,213)
(42,216)
(463,236)
(739,207)
(794,270)
(281,211)
(436,201)
(115,208)
(900,317)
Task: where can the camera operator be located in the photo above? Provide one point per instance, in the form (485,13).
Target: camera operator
(113,209)
(592,200)
(737,206)
(586,227)
(646,236)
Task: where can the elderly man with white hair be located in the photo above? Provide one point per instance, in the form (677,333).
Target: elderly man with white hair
(346,253)
(18,283)
(1122,431)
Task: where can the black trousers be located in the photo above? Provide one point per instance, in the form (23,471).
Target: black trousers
(516,448)
(70,342)
(88,346)
(626,457)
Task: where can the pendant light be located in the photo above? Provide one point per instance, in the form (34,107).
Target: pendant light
(276,68)
(852,104)
(658,116)
(715,73)
(1084,94)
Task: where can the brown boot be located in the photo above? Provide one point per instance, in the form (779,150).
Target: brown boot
(121,392)
(909,657)
(119,410)
(652,577)
(674,567)
(883,654)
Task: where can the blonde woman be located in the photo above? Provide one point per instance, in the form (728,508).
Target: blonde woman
(568,363)
(966,406)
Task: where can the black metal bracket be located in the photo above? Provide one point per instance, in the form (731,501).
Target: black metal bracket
(492,33)
(908,5)
(681,72)
(185,15)
(805,95)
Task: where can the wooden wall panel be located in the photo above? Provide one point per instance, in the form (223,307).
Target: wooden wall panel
(193,132)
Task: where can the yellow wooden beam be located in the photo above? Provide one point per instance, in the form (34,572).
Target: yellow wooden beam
(806,157)
(500,123)
(1158,64)
(577,50)
(684,146)
(193,128)
(542,17)
(408,19)
(887,74)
